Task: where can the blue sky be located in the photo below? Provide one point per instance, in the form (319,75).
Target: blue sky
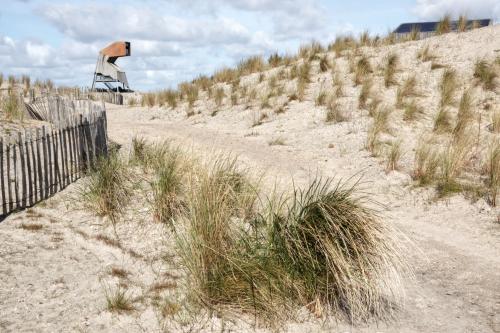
(175,40)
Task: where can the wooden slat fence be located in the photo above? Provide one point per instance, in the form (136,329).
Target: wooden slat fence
(38,163)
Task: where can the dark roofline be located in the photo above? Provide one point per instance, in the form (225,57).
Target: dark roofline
(431,26)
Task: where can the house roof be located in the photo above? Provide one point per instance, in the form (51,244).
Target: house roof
(431,26)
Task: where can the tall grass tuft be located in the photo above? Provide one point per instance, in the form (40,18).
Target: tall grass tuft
(107,190)
(219,96)
(391,67)
(362,70)
(447,87)
(12,107)
(167,186)
(425,54)
(320,247)
(486,74)
(334,112)
(394,155)
(462,23)
(426,163)
(251,65)
(412,111)
(380,124)
(465,114)
(452,163)
(444,25)
(495,121)
(364,94)
(414,33)
(407,90)
(335,251)
(493,170)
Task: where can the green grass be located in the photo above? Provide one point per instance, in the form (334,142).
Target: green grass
(118,300)
(320,245)
(107,190)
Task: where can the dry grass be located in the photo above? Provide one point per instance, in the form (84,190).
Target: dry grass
(486,74)
(390,69)
(119,272)
(365,93)
(380,124)
(442,122)
(493,171)
(495,121)
(324,64)
(31,226)
(425,54)
(412,111)
(149,100)
(465,114)
(277,142)
(393,156)
(462,23)
(334,112)
(362,71)
(414,33)
(251,65)
(108,241)
(321,99)
(426,163)
(12,107)
(118,300)
(408,89)
(219,96)
(452,162)
(447,87)
(444,25)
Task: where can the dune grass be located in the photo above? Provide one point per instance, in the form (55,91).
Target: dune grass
(465,114)
(12,107)
(334,112)
(167,185)
(462,23)
(452,162)
(444,25)
(412,111)
(495,121)
(447,87)
(394,155)
(426,163)
(390,69)
(425,54)
(380,124)
(492,168)
(408,89)
(486,74)
(107,190)
(362,70)
(118,300)
(365,93)
(320,246)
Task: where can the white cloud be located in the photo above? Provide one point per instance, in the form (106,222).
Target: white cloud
(434,9)
(97,22)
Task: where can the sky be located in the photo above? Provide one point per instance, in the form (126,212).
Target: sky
(177,40)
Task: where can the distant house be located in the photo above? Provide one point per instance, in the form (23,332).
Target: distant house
(427,29)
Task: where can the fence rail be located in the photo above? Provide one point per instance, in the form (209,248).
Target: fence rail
(40,162)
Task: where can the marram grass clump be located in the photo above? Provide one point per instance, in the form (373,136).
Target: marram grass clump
(269,257)
(107,190)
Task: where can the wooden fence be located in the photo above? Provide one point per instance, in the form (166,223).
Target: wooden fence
(40,162)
